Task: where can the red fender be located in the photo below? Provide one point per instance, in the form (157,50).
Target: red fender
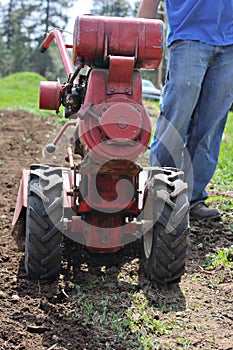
(22,196)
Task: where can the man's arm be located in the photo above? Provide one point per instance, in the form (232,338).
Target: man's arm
(148,8)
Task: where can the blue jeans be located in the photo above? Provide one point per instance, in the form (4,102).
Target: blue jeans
(194,106)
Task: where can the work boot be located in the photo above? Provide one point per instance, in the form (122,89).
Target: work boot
(201,211)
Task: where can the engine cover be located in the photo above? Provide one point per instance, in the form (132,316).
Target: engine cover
(115,131)
(139,37)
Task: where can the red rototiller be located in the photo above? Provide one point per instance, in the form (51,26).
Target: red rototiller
(104,199)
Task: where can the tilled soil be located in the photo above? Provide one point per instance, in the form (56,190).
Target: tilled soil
(36,315)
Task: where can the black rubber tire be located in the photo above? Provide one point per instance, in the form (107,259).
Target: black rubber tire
(43,242)
(165,243)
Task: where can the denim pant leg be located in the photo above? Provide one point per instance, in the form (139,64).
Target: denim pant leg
(187,65)
(204,161)
(209,120)
(187,73)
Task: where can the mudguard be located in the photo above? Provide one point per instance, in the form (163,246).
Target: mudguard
(22,196)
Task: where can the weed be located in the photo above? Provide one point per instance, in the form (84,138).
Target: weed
(224,257)
(222,179)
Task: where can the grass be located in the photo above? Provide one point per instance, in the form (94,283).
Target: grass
(126,317)
(21,91)
(221,185)
(223,174)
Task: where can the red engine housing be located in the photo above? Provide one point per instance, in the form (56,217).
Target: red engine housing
(98,38)
(117,125)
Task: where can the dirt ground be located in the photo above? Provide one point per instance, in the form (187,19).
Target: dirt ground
(36,316)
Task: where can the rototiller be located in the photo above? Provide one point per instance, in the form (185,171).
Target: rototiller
(103,198)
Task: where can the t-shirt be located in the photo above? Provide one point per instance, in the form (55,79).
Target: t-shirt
(209,21)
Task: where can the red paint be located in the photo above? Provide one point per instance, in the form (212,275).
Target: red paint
(101,193)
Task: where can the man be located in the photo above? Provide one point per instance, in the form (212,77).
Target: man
(198,92)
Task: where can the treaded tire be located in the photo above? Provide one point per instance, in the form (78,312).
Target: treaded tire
(44,211)
(165,243)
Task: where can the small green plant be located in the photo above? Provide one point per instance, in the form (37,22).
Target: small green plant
(224,257)
(144,322)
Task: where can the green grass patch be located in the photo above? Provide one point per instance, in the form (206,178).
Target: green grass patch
(223,179)
(224,257)
(133,324)
(221,186)
(21,91)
